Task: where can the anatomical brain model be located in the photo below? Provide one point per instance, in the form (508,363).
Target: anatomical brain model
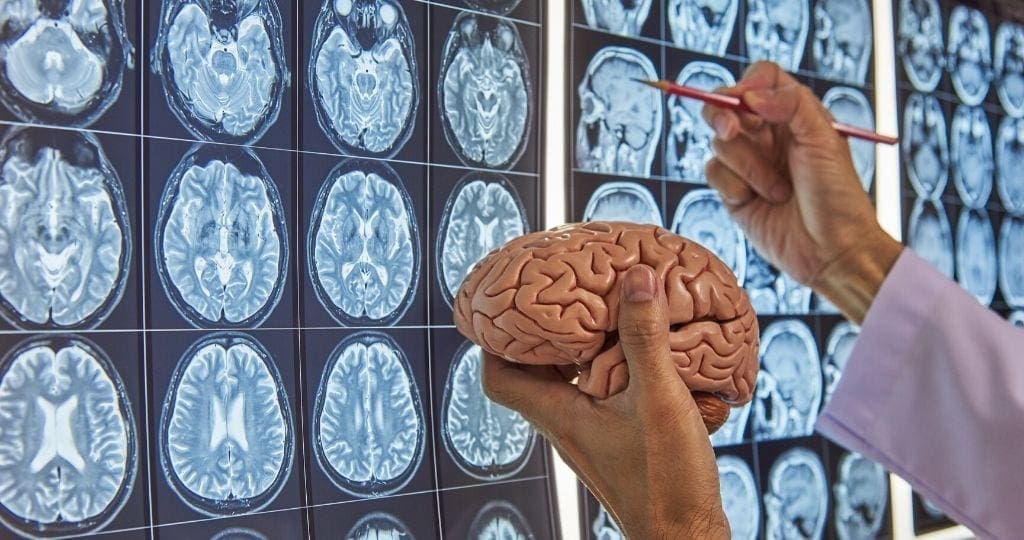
(552,298)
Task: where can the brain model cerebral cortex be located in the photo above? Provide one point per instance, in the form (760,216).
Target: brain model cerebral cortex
(552,297)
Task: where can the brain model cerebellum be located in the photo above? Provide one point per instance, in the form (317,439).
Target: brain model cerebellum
(552,298)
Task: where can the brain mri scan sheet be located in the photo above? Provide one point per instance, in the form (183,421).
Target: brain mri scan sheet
(625,17)
(499,7)
(226,435)
(364,255)
(378,526)
(969,54)
(500,520)
(620,121)
(604,526)
(485,94)
(1009,67)
(1017,319)
(223,66)
(702,216)
(797,500)
(739,497)
(976,267)
(221,243)
(734,428)
(688,144)
(368,424)
(971,151)
(843,35)
(848,105)
(920,45)
(1011,260)
(789,383)
(924,146)
(623,201)
(67,246)
(702,25)
(837,353)
(363,76)
(861,497)
(239,533)
(776,30)
(930,235)
(68,451)
(1010,163)
(62,63)
(771,291)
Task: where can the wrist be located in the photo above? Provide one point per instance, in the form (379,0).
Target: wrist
(852,280)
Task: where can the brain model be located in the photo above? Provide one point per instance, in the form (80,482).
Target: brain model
(552,298)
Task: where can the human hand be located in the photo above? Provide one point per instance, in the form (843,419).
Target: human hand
(644,452)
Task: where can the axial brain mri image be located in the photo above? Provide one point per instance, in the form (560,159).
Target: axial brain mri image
(776,30)
(925,150)
(797,500)
(62,62)
(364,255)
(971,151)
(368,423)
(1009,67)
(499,520)
(739,497)
(702,216)
(837,353)
(221,242)
(484,91)
(688,144)
(226,436)
(930,235)
(499,7)
(969,54)
(68,450)
(789,382)
(222,65)
(65,233)
(623,201)
(1010,163)
(620,119)
(363,76)
(702,25)
(843,35)
(625,17)
(861,497)
(848,105)
(976,267)
(378,526)
(1011,263)
(920,44)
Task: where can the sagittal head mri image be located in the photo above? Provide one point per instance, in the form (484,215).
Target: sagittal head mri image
(733,430)
(62,62)
(363,76)
(620,119)
(1011,263)
(776,30)
(625,17)
(604,526)
(222,65)
(368,423)
(971,151)
(688,144)
(976,261)
(484,91)
(702,25)
(364,255)
(623,201)
(221,244)
(848,105)
(837,353)
(841,45)
(797,500)
(226,435)
(702,216)
(924,145)
(66,243)
(930,235)
(1010,163)
(739,497)
(969,54)
(861,497)
(69,449)
(920,44)
(499,520)
(378,526)
(789,383)
(1008,63)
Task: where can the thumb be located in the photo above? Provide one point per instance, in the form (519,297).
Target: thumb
(795,106)
(643,327)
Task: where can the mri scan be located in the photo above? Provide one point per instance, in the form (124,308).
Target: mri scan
(930,508)
(702,216)
(702,25)
(617,16)
(364,244)
(604,526)
(739,497)
(482,214)
(62,63)
(223,66)
(1009,67)
(239,533)
(930,235)
(1011,262)
(843,35)
(861,497)
(484,91)
(797,500)
(65,234)
(919,43)
(733,430)
(1017,319)
(69,449)
(789,383)
(773,292)
(226,436)
(1010,163)
(623,201)
(848,105)
(777,31)
(500,7)
(925,150)
(378,526)
(969,54)
(368,424)
(363,76)
(499,520)
(976,267)
(837,353)
(688,145)
(221,242)
(620,120)
(971,150)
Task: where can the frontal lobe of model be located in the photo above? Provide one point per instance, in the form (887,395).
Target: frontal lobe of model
(68,448)
(363,76)
(226,432)
(379,526)
(65,242)
(368,423)
(62,62)
(499,520)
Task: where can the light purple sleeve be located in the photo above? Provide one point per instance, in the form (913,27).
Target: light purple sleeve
(934,391)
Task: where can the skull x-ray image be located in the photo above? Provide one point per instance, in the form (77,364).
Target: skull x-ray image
(734,428)
(223,66)
(773,292)
(925,150)
(971,151)
(625,17)
(363,76)
(861,497)
(843,36)
(500,7)
(604,527)
(797,500)
(1017,319)
(364,244)
(789,383)
(702,25)
(500,520)
(969,54)
(1008,63)
(226,436)
(1011,260)
(368,423)
(837,353)
(919,43)
(1010,163)
(777,31)
(688,144)
(221,242)
(69,448)
(65,233)
(739,497)
(930,235)
(702,216)
(623,201)
(850,106)
(378,526)
(976,265)
(620,119)
(484,91)
(62,63)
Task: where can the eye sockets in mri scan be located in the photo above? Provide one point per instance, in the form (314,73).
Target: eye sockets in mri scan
(1009,67)
(776,30)
(930,235)
(789,384)
(971,151)
(378,526)
(920,43)
(70,455)
(68,247)
(924,145)
(688,144)
(701,216)
(624,17)
(842,40)
(969,54)
(976,265)
(861,497)
(740,497)
(797,500)
(850,106)
(837,353)
(623,201)
(1011,263)
(499,520)
(1009,163)
(702,26)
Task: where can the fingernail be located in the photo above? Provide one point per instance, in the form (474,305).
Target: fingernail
(754,97)
(721,125)
(639,284)
(780,192)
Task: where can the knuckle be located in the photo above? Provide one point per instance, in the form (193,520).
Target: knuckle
(643,330)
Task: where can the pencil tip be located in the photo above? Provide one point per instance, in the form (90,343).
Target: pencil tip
(652,84)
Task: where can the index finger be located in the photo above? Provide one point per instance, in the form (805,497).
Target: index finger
(540,393)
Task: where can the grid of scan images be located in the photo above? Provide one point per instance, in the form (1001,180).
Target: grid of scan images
(639,156)
(229,235)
